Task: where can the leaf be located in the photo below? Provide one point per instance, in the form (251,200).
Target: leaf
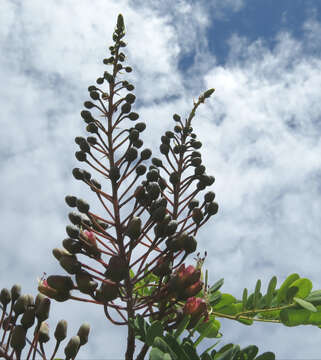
(229,310)
(214,298)
(305,304)
(182,326)
(167,357)
(206,356)
(245,321)
(226,355)
(314,297)
(216,286)
(190,351)
(305,287)
(156,354)
(244,299)
(315,317)
(226,299)
(162,345)
(294,317)
(156,329)
(266,356)
(290,293)
(270,291)
(256,292)
(284,287)
(208,329)
(250,352)
(176,347)
(131,273)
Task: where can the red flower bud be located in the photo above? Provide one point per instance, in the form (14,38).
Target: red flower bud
(192,290)
(188,276)
(196,307)
(90,236)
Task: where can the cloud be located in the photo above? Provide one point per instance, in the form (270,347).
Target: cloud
(260,132)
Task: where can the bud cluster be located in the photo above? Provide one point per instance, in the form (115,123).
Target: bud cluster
(26,312)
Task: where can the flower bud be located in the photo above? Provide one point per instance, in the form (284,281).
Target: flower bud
(92,128)
(133,116)
(131,154)
(152,175)
(196,161)
(71,245)
(72,347)
(188,276)
(82,206)
(20,306)
(78,174)
(164,149)
(176,117)
(163,267)
(60,283)
(134,228)
(44,333)
(70,264)
(193,204)
(61,330)
(5,297)
(140,170)
(72,231)
(15,292)
(83,333)
(174,178)
(28,318)
(177,243)
(42,311)
(192,290)
(86,115)
(71,200)
(200,169)
(146,154)
(157,162)
(117,269)
(171,228)
(190,244)
(59,253)
(196,307)
(209,196)
(211,208)
(197,215)
(130,98)
(90,237)
(18,339)
(109,291)
(114,173)
(208,93)
(85,282)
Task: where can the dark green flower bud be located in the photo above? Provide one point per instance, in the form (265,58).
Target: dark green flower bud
(62,296)
(92,140)
(130,87)
(82,206)
(78,174)
(109,77)
(140,170)
(94,95)
(42,311)
(60,283)
(152,175)
(96,184)
(165,140)
(70,264)
(28,318)
(153,190)
(92,88)
(128,69)
(15,292)
(171,228)
(75,218)
(119,67)
(190,244)
(162,183)
(109,291)
(163,267)
(130,98)
(209,196)
(177,243)
(58,253)
(73,246)
(20,306)
(117,269)
(193,204)
(85,282)
(83,333)
(44,333)
(200,185)
(5,297)
(134,228)
(84,146)
(100,224)
(88,104)
(208,93)
(39,298)
(140,193)
(199,170)
(196,144)
(133,116)
(79,140)
(80,156)
(92,128)
(177,129)
(170,134)
(72,347)
(159,230)
(211,208)
(196,161)
(72,231)
(61,330)
(114,173)
(71,200)
(86,115)
(18,339)
(176,117)
(158,214)
(164,149)
(211,180)
(100,81)
(196,154)
(125,109)
(131,154)
(157,162)
(177,149)
(174,178)
(138,143)
(121,57)
(146,154)
(133,135)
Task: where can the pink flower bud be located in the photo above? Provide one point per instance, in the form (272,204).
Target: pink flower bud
(188,276)
(196,307)
(90,236)
(192,290)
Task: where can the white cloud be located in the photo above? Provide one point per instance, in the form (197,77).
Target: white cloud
(261,135)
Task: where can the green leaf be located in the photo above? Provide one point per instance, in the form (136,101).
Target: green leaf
(156,329)
(256,293)
(176,347)
(305,287)
(244,299)
(190,351)
(250,352)
(305,304)
(294,317)
(167,357)
(208,329)
(225,300)
(315,317)
(216,286)
(284,287)
(162,345)
(245,321)
(227,355)
(314,297)
(214,298)
(156,354)
(290,293)
(131,273)
(206,356)
(270,291)
(266,356)
(229,310)
(182,326)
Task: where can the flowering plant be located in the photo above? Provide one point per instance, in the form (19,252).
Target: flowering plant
(130,258)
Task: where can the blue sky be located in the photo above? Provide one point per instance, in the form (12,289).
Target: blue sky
(260,130)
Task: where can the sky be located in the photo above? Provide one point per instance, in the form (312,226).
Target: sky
(260,132)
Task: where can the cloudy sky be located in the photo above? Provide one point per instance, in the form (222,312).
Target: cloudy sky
(261,137)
